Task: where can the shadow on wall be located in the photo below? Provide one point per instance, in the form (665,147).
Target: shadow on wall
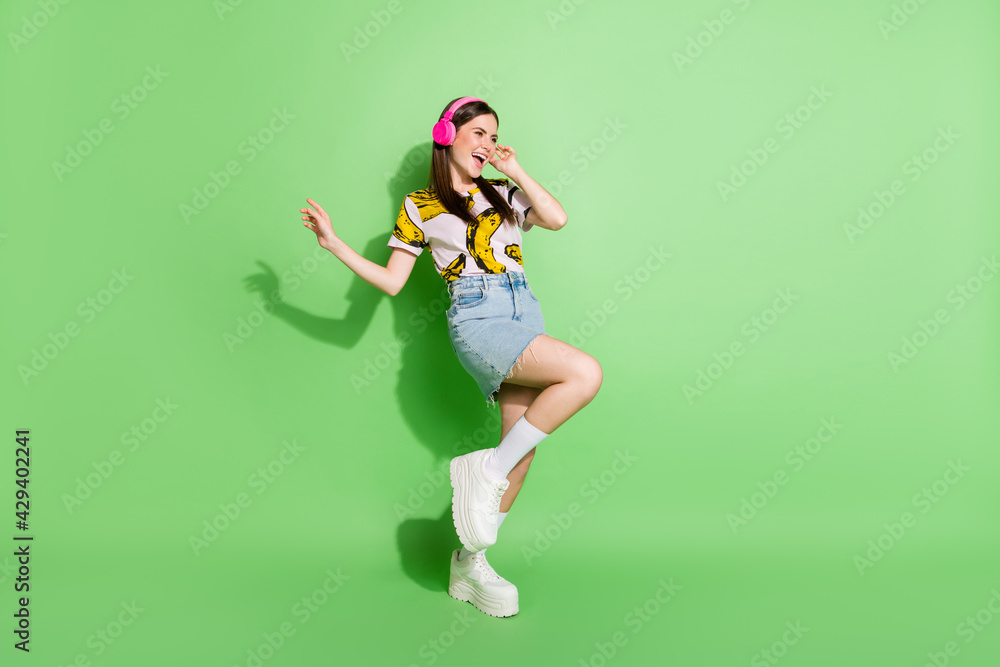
(425,547)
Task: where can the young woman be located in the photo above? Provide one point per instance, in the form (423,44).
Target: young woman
(472,226)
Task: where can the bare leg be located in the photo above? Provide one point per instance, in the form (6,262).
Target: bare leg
(567,376)
(514,400)
(551,386)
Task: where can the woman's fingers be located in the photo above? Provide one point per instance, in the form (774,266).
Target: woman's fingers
(310,211)
(316,206)
(317,221)
(308,218)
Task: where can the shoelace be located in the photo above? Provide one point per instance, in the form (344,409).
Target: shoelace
(498,492)
(489,574)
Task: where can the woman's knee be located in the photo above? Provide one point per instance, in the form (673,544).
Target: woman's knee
(589,375)
(562,363)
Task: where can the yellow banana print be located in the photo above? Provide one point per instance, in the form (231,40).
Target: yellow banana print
(477,238)
(454,269)
(514,252)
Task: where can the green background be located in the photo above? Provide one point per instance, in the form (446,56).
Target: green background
(366,497)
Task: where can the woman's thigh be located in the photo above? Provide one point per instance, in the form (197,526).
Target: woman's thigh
(550,361)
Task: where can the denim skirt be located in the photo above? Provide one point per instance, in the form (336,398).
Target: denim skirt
(492,320)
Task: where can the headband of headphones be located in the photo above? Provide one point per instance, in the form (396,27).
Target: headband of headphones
(444,130)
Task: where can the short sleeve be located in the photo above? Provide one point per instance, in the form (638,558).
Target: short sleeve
(520,203)
(407,233)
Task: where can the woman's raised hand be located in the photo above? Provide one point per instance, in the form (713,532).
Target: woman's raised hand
(319,222)
(504,160)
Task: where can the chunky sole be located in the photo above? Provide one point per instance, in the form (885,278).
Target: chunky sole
(488,604)
(463,522)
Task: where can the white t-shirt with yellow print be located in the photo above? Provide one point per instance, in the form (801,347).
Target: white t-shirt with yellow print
(458,248)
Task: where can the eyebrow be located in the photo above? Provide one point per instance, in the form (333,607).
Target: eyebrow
(479,128)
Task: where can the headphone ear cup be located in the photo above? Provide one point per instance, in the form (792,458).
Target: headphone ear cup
(444,132)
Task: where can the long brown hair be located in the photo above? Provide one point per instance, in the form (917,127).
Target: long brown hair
(439,178)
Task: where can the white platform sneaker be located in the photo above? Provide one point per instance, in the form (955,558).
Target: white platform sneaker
(475,500)
(474,580)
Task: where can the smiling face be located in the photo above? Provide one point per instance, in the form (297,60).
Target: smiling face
(474,145)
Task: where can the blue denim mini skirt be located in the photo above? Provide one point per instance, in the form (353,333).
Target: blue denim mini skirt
(492,320)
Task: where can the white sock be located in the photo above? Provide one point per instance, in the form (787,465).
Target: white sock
(465,552)
(521,439)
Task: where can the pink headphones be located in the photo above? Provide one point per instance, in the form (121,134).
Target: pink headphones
(444,130)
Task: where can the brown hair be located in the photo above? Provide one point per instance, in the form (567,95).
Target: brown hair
(439,178)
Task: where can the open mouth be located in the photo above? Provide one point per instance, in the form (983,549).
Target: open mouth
(479,158)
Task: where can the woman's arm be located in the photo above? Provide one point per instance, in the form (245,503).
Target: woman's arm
(545,211)
(389,278)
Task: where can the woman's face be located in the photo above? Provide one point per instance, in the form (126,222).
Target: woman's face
(473,140)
